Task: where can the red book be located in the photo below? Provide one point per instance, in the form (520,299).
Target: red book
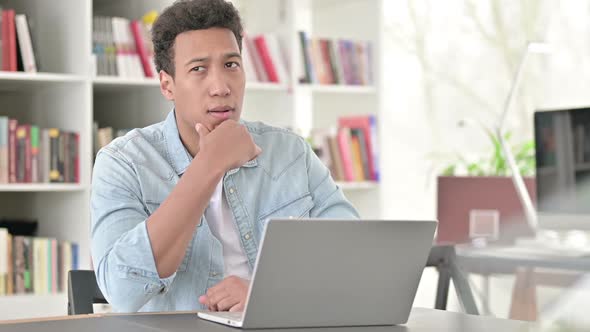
(11,40)
(367,124)
(346,153)
(4,38)
(138,35)
(12,124)
(263,51)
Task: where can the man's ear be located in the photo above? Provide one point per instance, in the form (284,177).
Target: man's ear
(166,85)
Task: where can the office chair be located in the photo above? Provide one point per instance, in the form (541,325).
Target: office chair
(444,259)
(83,292)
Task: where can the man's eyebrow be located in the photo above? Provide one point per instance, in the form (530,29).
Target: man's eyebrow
(201,59)
(232,55)
(206,58)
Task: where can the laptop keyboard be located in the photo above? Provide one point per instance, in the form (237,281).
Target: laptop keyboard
(228,315)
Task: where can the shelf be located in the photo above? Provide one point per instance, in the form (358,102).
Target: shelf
(364,185)
(263,86)
(15,80)
(340,89)
(580,167)
(41,187)
(106,83)
(33,305)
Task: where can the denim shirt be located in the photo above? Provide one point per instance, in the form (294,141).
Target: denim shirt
(135,173)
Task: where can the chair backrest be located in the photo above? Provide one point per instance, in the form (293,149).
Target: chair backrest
(83,292)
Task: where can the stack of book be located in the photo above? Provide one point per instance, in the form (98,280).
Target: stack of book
(16,43)
(264,59)
(35,265)
(329,61)
(349,151)
(29,154)
(123,47)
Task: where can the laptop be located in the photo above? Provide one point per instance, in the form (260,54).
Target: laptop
(326,272)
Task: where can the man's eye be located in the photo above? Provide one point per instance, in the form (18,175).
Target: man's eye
(198,68)
(232,64)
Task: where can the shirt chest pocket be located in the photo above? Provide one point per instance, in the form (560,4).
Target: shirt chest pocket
(151,208)
(298,207)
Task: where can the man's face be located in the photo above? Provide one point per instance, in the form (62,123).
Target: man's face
(209,82)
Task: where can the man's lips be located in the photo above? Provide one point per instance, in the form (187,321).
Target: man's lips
(222,112)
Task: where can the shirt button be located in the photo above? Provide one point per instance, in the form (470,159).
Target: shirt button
(247,236)
(214,274)
(231,190)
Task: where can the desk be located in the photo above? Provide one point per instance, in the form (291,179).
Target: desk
(421,320)
(514,260)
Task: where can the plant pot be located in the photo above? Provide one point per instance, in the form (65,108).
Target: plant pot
(470,207)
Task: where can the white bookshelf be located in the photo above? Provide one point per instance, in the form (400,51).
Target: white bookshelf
(68,95)
(43,187)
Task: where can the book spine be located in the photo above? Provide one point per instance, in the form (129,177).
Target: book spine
(3,149)
(19,264)
(54,170)
(28,255)
(11,42)
(345,153)
(54,274)
(138,36)
(3,259)
(10,266)
(267,61)
(12,125)
(76,156)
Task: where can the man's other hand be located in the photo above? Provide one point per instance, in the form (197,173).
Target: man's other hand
(228,295)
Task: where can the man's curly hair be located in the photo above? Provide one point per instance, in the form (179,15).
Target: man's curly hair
(187,15)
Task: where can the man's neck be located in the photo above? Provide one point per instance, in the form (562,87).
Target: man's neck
(189,138)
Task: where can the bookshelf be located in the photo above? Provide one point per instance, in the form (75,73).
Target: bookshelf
(67,94)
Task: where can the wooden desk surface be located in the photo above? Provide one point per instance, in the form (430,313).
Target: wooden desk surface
(421,320)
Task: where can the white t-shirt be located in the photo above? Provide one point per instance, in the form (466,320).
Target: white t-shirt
(221,222)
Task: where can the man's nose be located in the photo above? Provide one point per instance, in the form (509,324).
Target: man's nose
(218,85)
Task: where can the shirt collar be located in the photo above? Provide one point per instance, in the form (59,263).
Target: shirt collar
(179,157)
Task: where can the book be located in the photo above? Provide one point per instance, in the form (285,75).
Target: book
(19,264)
(368,125)
(12,125)
(363,153)
(23,153)
(3,149)
(9,59)
(357,164)
(344,146)
(139,36)
(25,43)
(28,264)
(3,259)
(9,266)
(34,154)
(55,171)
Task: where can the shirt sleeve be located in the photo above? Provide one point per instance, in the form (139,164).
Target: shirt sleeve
(121,251)
(329,201)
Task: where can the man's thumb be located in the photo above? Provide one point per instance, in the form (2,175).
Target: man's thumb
(201,130)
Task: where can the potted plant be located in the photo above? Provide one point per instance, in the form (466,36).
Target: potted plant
(477,199)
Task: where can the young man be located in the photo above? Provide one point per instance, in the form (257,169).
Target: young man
(179,207)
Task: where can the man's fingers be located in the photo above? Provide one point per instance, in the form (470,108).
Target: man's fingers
(258,150)
(202,130)
(237,307)
(227,303)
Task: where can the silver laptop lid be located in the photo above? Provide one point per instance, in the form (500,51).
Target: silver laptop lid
(319,272)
